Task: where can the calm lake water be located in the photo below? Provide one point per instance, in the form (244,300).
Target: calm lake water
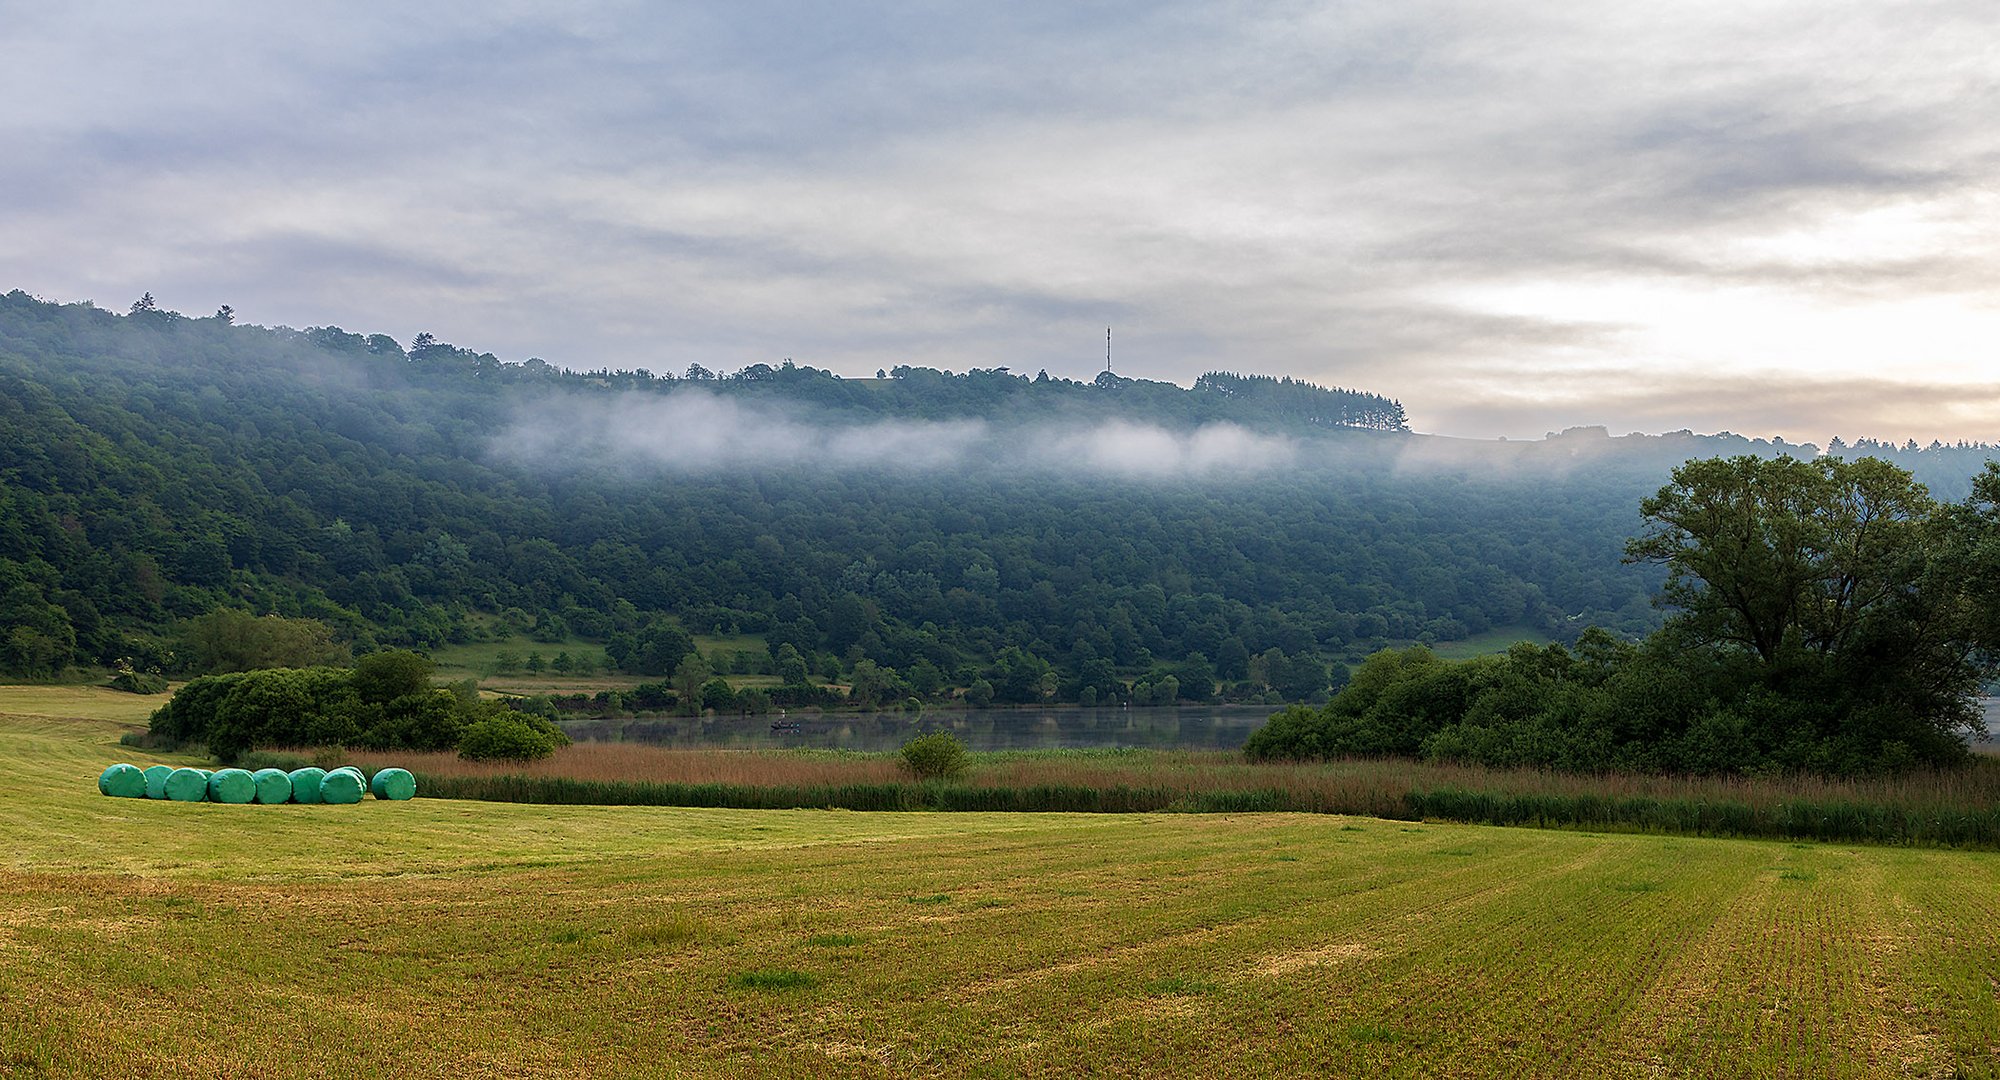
(1219,727)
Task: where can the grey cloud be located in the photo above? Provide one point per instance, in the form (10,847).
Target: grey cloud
(1306,189)
(1771,404)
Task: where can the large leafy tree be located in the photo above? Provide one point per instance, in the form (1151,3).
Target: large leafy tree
(1775,554)
(1838,590)
(230,639)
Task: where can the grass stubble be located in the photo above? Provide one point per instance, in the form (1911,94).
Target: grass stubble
(441,938)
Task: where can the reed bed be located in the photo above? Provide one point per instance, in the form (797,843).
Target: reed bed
(637,762)
(1957,808)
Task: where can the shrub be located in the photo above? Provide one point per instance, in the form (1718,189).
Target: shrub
(938,755)
(716,695)
(139,682)
(1295,732)
(510,738)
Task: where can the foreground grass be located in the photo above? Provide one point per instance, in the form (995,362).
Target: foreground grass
(437,938)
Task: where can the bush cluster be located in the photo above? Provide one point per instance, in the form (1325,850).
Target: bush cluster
(139,682)
(937,756)
(385,702)
(510,737)
(1609,705)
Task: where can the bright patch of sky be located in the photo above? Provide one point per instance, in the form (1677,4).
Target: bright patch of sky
(1766,216)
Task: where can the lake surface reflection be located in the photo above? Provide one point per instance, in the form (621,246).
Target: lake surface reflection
(1218,727)
(1199,727)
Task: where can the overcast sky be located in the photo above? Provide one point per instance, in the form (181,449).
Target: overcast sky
(1765,217)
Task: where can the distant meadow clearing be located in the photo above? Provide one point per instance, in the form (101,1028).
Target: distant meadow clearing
(450,938)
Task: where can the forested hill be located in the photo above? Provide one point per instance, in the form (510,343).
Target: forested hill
(1041,534)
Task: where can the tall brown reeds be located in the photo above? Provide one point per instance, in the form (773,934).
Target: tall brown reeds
(637,762)
(1960,806)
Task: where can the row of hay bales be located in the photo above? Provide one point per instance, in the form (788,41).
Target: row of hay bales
(346,784)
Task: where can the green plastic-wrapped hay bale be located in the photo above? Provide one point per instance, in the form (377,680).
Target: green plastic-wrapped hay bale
(122,781)
(342,786)
(273,786)
(156,780)
(186,785)
(395,784)
(231,786)
(305,784)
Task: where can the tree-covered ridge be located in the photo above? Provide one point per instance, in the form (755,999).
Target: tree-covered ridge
(911,391)
(1306,403)
(155,467)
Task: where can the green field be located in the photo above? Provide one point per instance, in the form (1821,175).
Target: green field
(709,643)
(1496,640)
(440,938)
(481,659)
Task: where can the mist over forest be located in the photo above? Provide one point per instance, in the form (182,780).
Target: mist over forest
(1055,539)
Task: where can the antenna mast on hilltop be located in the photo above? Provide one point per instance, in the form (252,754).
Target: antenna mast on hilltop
(1107,350)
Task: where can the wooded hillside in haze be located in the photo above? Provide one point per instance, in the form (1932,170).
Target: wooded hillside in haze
(1042,533)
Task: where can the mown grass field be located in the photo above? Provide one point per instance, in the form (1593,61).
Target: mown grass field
(1496,640)
(439,938)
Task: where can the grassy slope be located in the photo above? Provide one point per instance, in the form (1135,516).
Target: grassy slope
(1496,640)
(92,701)
(442,939)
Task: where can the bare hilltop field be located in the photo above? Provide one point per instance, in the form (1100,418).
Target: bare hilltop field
(444,937)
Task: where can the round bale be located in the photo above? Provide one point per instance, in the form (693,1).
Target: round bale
(305,784)
(122,781)
(396,784)
(156,780)
(342,786)
(186,785)
(231,786)
(273,786)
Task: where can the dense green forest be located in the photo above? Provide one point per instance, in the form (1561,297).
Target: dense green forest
(156,467)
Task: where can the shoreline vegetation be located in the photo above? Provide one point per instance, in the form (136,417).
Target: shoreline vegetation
(1957,807)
